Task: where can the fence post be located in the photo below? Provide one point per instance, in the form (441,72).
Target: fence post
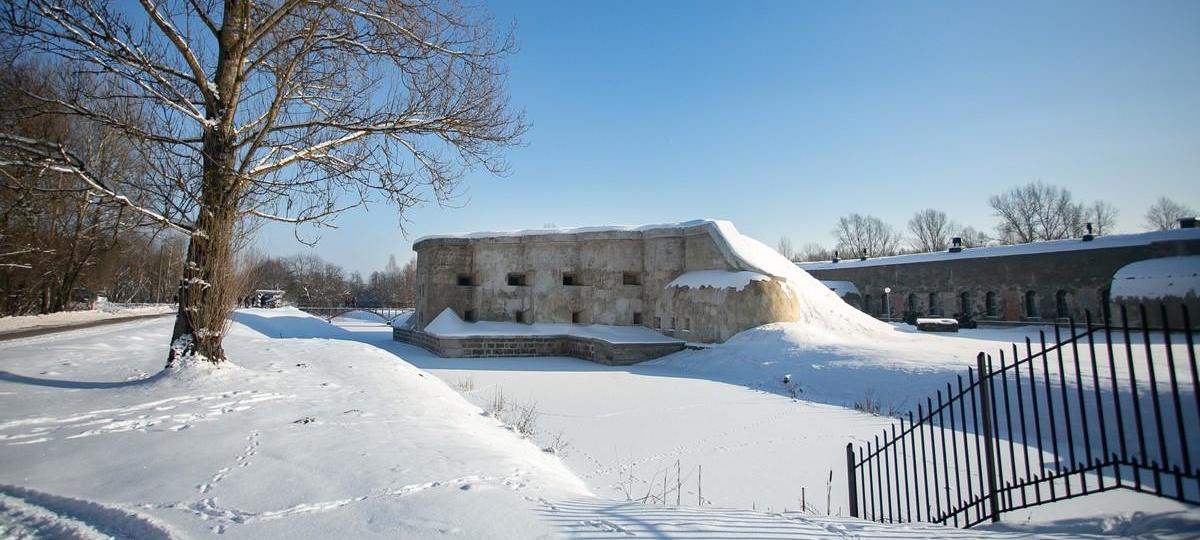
(850,483)
(988,435)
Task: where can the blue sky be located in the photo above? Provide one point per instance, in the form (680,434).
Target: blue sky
(782,116)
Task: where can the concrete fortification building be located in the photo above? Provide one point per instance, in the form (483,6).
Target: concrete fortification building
(698,281)
(1023,283)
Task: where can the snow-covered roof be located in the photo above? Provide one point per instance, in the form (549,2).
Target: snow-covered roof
(717,279)
(740,252)
(567,230)
(448,324)
(1158,278)
(842,288)
(1048,246)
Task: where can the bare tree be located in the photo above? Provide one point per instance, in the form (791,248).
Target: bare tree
(784,247)
(813,251)
(1164,214)
(858,235)
(972,237)
(1037,211)
(285,110)
(931,230)
(1103,217)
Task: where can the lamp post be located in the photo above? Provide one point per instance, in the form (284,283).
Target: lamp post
(887,305)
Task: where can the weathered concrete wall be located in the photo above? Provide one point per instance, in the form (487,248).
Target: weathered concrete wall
(619,277)
(710,314)
(1083,277)
(596,350)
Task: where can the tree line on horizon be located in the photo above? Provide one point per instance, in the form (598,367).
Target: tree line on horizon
(309,280)
(1030,213)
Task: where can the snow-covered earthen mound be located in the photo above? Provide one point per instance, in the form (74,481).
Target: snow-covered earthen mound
(819,308)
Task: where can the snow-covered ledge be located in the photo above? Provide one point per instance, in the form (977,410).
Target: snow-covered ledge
(449,336)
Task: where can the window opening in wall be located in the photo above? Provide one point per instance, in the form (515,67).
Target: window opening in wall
(990,304)
(523,316)
(465,280)
(576,317)
(964,304)
(672,323)
(687,324)
(1060,303)
(631,278)
(570,279)
(658,322)
(935,307)
(516,280)
(1031,304)
(866,304)
(469,315)
(637,317)
(912,303)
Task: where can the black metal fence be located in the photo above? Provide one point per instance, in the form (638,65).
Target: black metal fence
(1093,411)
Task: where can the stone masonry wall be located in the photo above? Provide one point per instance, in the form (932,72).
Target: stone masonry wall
(619,277)
(578,347)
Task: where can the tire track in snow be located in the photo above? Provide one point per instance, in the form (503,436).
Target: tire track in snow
(29,513)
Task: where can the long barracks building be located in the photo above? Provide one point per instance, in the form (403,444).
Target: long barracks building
(1036,282)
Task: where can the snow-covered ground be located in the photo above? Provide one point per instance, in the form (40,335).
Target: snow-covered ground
(67,318)
(721,421)
(304,438)
(321,431)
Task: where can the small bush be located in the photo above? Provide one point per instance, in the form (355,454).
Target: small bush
(558,445)
(869,403)
(496,407)
(465,385)
(524,420)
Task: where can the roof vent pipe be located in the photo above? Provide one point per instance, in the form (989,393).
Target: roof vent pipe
(864,255)
(1089,236)
(835,256)
(956,244)
(1187,223)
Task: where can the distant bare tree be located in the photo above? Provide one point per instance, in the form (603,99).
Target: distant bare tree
(931,230)
(1037,211)
(813,251)
(971,237)
(1103,217)
(784,247)
(858,234)
(282,110)
(1164,214)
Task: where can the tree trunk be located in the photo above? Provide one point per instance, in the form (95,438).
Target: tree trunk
(207,293)
(204,296)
